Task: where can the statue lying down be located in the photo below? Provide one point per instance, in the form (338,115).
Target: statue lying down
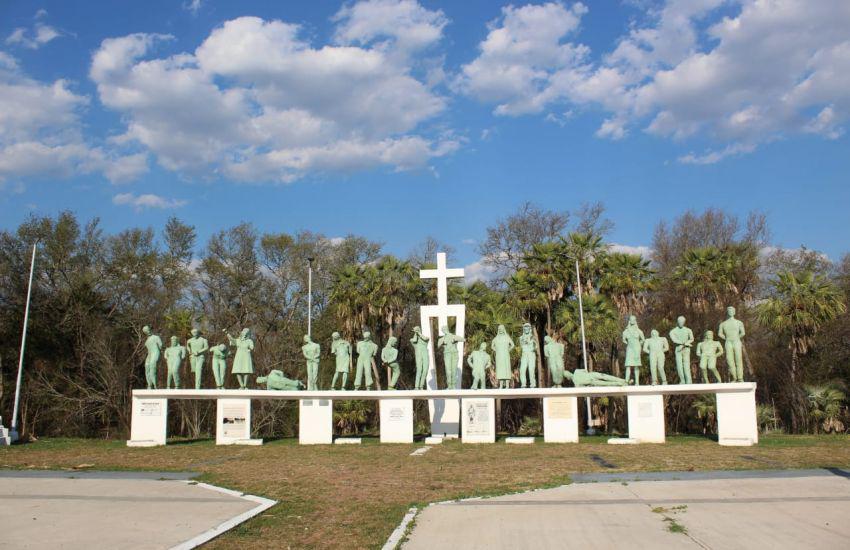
(583,377)
(277,381)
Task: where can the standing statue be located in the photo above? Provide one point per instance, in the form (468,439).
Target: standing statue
(311,352)
(219,364)
(197,346)
(528,359)
(554,353)
(683,338)
(502,346)
(276,380)
(420,352)
(584,377)
(732,331)
(479,361)
(366,350)
(633,338)
(656,346)
(174,355)
(243,365)
(153,345)
(708,351)
(448,342)
(342,349)
(389,357)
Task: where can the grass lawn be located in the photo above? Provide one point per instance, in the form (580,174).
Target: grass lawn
(354,496)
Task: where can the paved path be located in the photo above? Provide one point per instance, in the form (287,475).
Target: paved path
(740,510)
(115,510)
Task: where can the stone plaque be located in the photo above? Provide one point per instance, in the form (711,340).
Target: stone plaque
(560,409)
(150,408)
(644,410)
(235,421)
(397,414)
(478,417)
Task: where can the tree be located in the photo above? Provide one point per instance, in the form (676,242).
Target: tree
(600,322)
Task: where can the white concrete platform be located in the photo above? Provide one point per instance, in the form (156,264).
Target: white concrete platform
(433,440)
(348,441)
(519,440)
(622,441)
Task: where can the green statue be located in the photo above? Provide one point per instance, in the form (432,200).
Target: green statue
(389,357)
(174,355)
(342,349)
(683,338)
(243,365)
(528,358)
(448,342)
(366,350)
(311,352)
(153,345)
(502,346)
(479,361)
(584,377)
(656,346)
(732,331)
(277,381)
(633,338)
(420,353)
(219,364)
(197,346)
(708,351)
(554,353)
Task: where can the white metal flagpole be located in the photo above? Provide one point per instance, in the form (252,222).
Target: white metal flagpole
(590,430)
(13,432)
(310,297)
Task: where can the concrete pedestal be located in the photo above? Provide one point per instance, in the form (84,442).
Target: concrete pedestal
(736,419)
(560,420)
(445,417)
(396,420)
(316,418)
(149,422)
(5,438)
(479,420)
(646,418)
(233,422)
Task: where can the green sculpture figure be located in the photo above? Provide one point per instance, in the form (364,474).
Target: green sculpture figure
(276,380)
(219,364)
(420,353)
(197,346)
(584,377)
(389,357)
(448,342)
(366,350)
(732,331)
(479,361)
(342,349)
(528,358)
(502,346)
(683,338)
(554,353)
(633,338)
(153,345)
(708,351)
(311,352)
(243,365)
(656,346)
(174,355)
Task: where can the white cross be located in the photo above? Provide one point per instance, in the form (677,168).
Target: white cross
(442,274)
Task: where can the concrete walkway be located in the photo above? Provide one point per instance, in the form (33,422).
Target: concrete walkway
(116,510)
(807,509)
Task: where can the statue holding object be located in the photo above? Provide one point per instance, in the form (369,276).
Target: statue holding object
(633,338)
(479,361)
(528,359)
(708,351)
(311,352)
(448,342)
(366,350)
(342,350)
(174,355)
(732,331)
(197,347)
(420,354)
(683,338)
(656,346)
(243,364)
(389,357)
(502,346)
(153,345)
(554,353)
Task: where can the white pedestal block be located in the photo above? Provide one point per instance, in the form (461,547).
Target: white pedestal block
(646,418)
(445,417)
(560,420)
(479,420)
(316,421)
(396,420)
(433,440)
(519,440)
(233,421)
(148,422)
(622,441)
(5,438)
(737,424)
(348,441)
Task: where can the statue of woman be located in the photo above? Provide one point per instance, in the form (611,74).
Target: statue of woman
(554,353)
(633,338)
(389,357)
(219,364)
(502,345)
(342,349)
(243,365)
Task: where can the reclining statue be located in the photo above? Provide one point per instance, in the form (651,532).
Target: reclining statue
(583,377)
(277,381)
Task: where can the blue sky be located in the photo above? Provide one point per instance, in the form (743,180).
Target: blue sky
(397,119)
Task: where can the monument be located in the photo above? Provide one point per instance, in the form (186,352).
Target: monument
(479,361)
(448,342)
(197,347)
(655,347)
(389,357)
(366,350)
(174,355)
(554,353)
(420,355)
(342,350)
(311,352)
(708,351)
(633,338)
(243,364)
(502,346)
(732,331)
(683,338)
(219,364)
(528,358)
(153,345)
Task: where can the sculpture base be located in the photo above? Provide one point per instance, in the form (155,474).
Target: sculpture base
(736,419)
(560,420)
(519,440)
(233,421)
(396,420)
(622,441)
(479,419)
(433,440)
(445,417)
(646,418)
(347,441)
(142,443)
(315,426)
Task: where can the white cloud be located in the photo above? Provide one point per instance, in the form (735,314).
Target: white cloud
(640,250)
(193,6)
(148,200)
(478,271)
(406,23)
(713,157)
(35,37)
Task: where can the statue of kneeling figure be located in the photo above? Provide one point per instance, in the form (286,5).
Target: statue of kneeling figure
(276,380)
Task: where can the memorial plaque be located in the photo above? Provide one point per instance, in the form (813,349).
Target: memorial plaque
(561,409)
(478,417)
(644,410)
(235,421)
(150,408)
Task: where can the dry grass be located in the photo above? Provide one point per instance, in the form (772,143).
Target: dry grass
(354,496)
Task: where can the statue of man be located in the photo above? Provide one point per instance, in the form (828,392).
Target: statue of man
(243,363)
(633,338)
(174,355)
(197,347)
(708,351)
(389,357)
(342,350)
(479,361)
(732,331)
(311,352)
(219,364)
(584,377)
(420,353)
(683,338)
(448,342)
(276,380)
(153,345)
(366,350)
(656,346)
(554,353)
(528,359)
(502,346)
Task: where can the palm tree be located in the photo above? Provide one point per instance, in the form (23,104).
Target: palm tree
(590,251)
(825,407)
(551,272)
(601,323)
(528,297)
(705,276)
